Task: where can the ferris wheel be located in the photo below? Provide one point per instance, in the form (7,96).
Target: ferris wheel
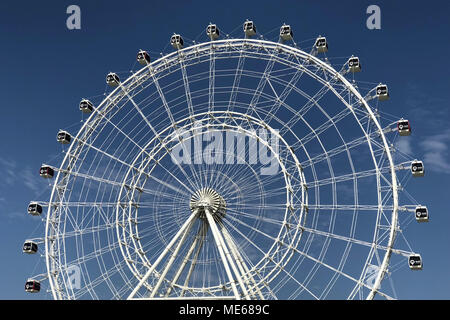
(235,168)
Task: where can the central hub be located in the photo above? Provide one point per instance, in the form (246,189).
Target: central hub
(208,199)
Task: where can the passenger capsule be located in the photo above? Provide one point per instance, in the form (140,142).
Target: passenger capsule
(249,28)
(176,41)
(417,168)
(143,57)
(46,172)
(35,209)
(86,106)
(212,32)
(415,262)
(286,32)
(321,44)
(63,137)
(382,92)
(421,214)
(354,65)
(32,286)
(30,247)
(112,79)
(403,127)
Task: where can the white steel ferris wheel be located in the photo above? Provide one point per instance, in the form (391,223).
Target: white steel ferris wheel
(230,169)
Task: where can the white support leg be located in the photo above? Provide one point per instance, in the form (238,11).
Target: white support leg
(185,260)
(241,263)
(162,255)
(226,256)
(204,231)
(171,260)
(230,244)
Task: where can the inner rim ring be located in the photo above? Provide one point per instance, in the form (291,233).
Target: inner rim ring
(130,207)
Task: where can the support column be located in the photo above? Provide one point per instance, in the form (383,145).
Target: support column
(226,256)
(162,255)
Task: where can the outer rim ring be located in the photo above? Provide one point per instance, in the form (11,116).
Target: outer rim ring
(52,258)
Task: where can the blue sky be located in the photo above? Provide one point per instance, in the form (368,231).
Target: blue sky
(46,70)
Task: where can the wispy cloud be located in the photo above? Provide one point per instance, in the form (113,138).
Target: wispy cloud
(14,175)
(404,146)
(9,171)
(437,154)
(432,113)
(431,110)
(30,179)
(14,215)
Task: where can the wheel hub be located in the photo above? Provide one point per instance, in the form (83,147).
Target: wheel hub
(208,199)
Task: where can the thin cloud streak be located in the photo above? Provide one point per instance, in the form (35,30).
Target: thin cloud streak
(437,155)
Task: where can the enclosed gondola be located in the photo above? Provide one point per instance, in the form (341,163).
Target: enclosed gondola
(382,92)
(46,172)
(143,57)
(63,137)
(112,79)
(415,262)
(321,44)
(422,214)
(86,106)
(35,209)
(32,286)
(417,168)
(286,32)
(30,247)
(404,127)
(212,32)
(354,65)
(177,41)
(249,28)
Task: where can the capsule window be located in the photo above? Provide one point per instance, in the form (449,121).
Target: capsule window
(34,209)
(112,79)
(321,45)
(63,137)
(249,28)
(46,172)
(354,64)
(382,92)
(286,33)
(30,247)
(176,41)
(415,262)
(404,127)
(417,168)
(421,214)
(212,31)
(86,106)
(32,286)
(143,57)
(321,42)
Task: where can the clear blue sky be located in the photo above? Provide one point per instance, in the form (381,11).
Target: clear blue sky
(46,69)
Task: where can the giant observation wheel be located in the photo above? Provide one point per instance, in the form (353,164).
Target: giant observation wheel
(237,168)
